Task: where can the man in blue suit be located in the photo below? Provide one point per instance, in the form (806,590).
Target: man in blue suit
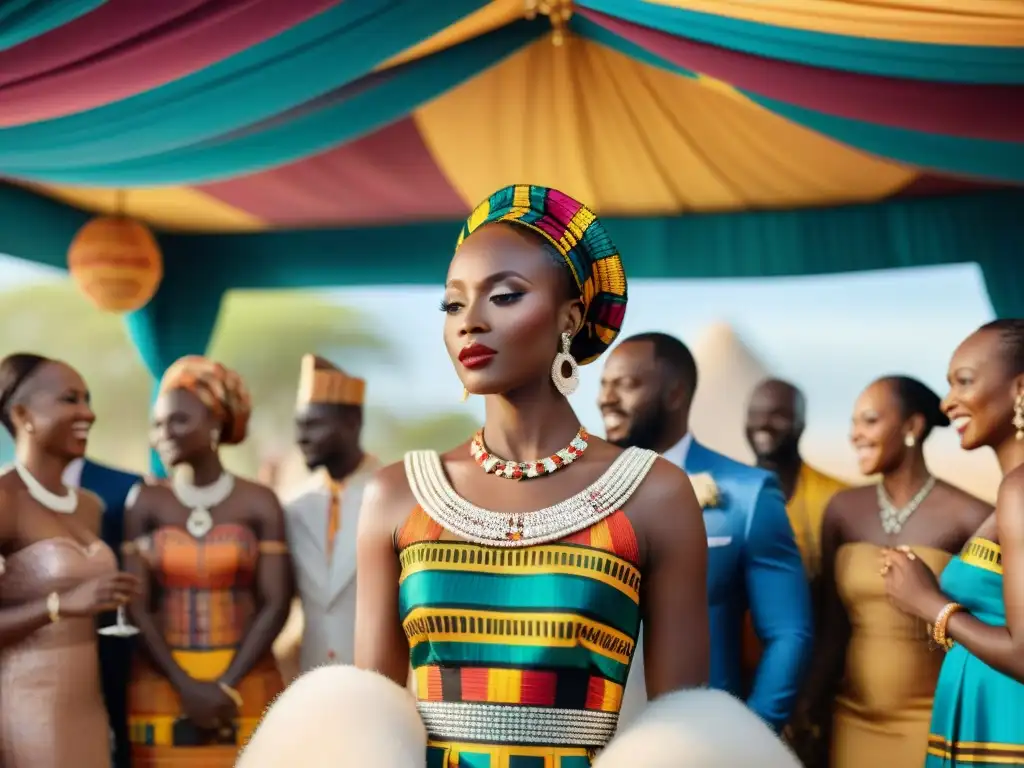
(647,388)
(114,487)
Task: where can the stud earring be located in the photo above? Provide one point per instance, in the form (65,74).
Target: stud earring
(1018,416)
(30,427)
(565,384)
(910,441)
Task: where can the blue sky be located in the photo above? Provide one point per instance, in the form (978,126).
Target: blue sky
(831,335)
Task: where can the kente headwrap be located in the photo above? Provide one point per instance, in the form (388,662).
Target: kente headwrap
(322,382)
(219,388)
(581,239)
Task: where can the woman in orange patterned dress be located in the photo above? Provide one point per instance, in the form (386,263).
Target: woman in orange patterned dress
(210,551)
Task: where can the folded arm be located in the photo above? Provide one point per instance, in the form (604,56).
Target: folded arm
(779,605)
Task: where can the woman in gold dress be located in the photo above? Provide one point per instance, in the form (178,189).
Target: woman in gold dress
(873,658)
(56,575)
(210,551)
(520,617)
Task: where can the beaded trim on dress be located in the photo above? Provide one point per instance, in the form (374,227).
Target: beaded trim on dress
(607,494)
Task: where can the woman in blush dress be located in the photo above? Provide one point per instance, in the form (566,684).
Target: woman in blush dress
(56,575)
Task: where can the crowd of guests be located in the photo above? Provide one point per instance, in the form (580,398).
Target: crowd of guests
(882,623)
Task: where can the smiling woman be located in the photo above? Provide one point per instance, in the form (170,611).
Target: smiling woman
(58,575)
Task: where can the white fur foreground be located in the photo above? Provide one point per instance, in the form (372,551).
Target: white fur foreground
(343,717)
(696,729)
(335,717)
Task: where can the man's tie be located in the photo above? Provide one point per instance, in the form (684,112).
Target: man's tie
(333,514)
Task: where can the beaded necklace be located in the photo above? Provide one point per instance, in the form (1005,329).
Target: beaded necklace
(518,470)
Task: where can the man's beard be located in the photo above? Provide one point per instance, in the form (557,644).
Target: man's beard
(646,429)
(784,452)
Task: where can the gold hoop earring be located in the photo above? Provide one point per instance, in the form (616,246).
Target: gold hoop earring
(910,441)
(565,384)
(1018,416)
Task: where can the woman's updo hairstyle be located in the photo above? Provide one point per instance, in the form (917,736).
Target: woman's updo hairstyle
(1011,339)
(15,370)
(916,399)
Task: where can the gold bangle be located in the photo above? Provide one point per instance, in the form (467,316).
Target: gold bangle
(939,628)
(231,693)
(53,607)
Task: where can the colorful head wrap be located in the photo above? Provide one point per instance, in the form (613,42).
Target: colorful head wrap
(581,239)
(322,382)
(220,389)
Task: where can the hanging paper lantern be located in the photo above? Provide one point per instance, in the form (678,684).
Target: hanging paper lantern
(115,261)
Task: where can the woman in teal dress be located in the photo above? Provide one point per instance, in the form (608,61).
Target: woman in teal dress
(512,572)
(976,610)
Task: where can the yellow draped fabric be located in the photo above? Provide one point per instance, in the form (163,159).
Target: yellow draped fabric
(180,209)
(495,14)
(950,22)
(634,139)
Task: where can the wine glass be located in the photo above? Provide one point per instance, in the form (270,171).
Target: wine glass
(121,628)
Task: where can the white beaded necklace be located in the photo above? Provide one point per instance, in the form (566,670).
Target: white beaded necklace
(441,502)
(201,500)
(65,504)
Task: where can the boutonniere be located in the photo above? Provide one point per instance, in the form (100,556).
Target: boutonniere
(706,489)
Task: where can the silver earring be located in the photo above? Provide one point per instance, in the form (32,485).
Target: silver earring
(214,439)
(565,384)
(910,441)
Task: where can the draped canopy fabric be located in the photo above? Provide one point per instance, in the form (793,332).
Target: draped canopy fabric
(235,115)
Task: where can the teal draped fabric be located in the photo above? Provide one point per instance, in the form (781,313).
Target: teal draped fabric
(994,160)
(37,228)
(334,48)
(386,98)
(891,58)
(22,20)
(179,320)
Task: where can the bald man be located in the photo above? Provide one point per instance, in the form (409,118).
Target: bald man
(776,417)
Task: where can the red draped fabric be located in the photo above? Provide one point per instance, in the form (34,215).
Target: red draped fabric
(126,47)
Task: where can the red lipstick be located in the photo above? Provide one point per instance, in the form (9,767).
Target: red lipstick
(476,356)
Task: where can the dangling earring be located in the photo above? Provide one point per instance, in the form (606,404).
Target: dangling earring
(1018,416)
(465,394)
(910,441)
(565,384)
(214,439)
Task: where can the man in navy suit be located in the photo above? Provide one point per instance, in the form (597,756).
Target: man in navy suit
(647,388)
(114,488)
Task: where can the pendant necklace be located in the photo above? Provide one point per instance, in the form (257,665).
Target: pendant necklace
(893,518)
(201,500)
(65,504)
(520,470)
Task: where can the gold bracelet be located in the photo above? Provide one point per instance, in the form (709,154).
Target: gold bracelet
(53,607)
(231,693)
(939,629)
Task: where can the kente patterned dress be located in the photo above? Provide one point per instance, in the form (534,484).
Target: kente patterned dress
(51,704)
(978,719)
(885,698)
(520,653)
(204,604)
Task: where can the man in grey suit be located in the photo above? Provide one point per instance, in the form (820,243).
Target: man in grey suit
(322,517)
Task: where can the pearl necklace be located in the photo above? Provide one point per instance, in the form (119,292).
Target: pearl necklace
(894,519)
(519,470)
(201,500)
(65,504)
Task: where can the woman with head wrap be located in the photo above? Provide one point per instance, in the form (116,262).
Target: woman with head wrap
(56,575)
(509,570)
(210,551)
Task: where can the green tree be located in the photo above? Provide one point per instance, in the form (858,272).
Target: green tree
(262,335)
